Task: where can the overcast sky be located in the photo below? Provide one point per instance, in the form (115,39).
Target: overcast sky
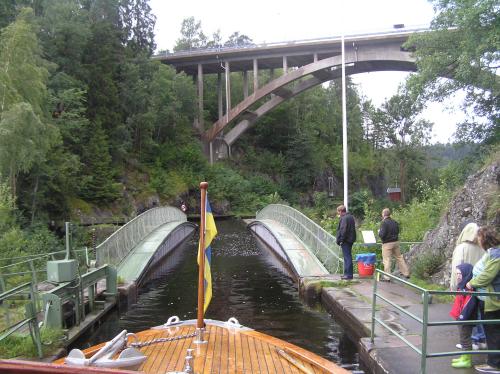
(278,20)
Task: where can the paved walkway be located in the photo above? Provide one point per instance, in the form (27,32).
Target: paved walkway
(351,306)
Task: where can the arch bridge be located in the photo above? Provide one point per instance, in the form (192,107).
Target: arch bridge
(304,64)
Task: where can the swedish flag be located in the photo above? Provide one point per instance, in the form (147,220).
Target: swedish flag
(210,232)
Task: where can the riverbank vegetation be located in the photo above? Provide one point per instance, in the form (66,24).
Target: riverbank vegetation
(93,130)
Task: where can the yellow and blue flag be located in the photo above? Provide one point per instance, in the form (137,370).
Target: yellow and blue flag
(210,232)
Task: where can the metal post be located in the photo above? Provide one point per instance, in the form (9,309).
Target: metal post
(34,324)
(201,120)
(35,281)
(245,84)
(219,97)
(228,90)
(344,125)
(425,318)
(201,260)
(255,75)
(67,225)
(374,305)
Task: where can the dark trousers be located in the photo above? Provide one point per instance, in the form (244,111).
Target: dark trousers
(493,338)
(346,252)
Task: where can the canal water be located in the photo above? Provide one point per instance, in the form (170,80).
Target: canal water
(248,284)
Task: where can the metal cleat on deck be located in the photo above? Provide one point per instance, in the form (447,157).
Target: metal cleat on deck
(103,358)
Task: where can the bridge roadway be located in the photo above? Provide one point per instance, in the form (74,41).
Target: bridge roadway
(303,64)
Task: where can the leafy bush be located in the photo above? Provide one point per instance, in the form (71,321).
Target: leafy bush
(414,219)
(357,204)
(427,264)
(7,208)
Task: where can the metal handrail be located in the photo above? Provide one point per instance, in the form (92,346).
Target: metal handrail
(320,242)
(30,319)
(424,321)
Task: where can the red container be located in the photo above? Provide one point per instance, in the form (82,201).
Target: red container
(365,270)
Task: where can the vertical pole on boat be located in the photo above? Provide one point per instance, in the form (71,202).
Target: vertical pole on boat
(201,257)
(344,124)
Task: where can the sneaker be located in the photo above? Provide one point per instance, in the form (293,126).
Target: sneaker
(482,345)
(345,277)
(385,279)
(475,347)
(487,369)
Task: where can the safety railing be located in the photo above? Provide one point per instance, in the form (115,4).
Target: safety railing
(33,268)
(321,243)
(423,351)
(114,249)
(15,319)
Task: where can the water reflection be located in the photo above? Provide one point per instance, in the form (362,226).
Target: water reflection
(248,284)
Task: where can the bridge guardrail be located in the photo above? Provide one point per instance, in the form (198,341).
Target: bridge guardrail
(321,243)
(358,34)
(114,249)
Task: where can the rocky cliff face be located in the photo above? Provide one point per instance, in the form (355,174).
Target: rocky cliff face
(478,201)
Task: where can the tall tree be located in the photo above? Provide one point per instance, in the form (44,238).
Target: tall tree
(238,40)
(65,31)
(404,132)
(192,36)
(24,141)
(23,72)
(138,23)
(98,183)
(104,57)
(462,53)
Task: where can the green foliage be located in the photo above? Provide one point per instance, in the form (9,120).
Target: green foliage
(415,218)
(243,194)
(168,183)
(427,264)
(98,183)
(23,73)
(445,299)
(7,208)
(21,345)
(357,204)
(24,141)
(463,46)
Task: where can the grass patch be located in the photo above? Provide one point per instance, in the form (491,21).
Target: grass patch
(442,299)
(21,345)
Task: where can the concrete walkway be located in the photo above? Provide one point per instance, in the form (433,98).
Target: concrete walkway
(351,306)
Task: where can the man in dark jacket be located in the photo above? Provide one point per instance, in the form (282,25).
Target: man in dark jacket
(346,236)
(389,233)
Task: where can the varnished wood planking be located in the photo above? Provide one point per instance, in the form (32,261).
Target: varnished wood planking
(229,350)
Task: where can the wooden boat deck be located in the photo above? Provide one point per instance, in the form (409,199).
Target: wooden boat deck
(228,350)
